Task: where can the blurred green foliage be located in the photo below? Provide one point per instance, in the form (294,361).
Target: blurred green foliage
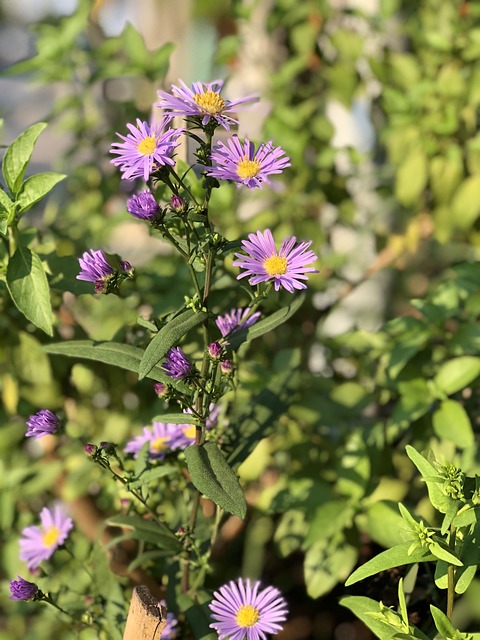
(328,474)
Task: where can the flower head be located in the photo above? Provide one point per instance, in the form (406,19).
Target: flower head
(42,423)
(170,630)
(202,101)
(226,367)
(238,161)
(242,610)
(143,206)
(235,320)
(215,350)
(39,543)
(95,268)
(161,436)
(160,389)
(90,449)
(287,267)
(145,149)
(177,203)
(21,589)
(177,365)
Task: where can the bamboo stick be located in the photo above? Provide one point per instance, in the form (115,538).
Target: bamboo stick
(146,618)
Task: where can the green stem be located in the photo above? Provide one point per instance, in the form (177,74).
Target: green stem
(47,598)
(451,576)
(183,185)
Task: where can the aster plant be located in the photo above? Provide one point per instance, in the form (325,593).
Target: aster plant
(193,446)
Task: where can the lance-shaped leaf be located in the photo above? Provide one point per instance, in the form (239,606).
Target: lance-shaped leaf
(177,418)
(394,557)
(125,356)
(212,476)
(28,287)
(18,155)
(266,324)
(148,530)
(443,624)
(35,188)
(438,499)
(167,337)
(457,374)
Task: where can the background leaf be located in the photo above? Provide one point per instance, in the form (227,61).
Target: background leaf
(18,155)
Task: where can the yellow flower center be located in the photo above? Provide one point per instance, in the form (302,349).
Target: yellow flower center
(159,445)
(247,168)
(276,265)
(210,102)
(247,616)
(51,537)
(189,431)
(147,146)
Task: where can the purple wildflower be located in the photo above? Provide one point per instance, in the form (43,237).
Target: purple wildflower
(160,389)
(286,267)
(42,423)
(234,320)
(90,449)
(21,589)
(240,162)
(39,543)
(200,101)
(145,149)
(177,365)
(143,206)
(185,433)
(161,436)
(170,630)
(240,610)
(95,268)
(177,203)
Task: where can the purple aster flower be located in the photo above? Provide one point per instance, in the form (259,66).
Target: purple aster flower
(39,543)
(286,267)
(215,350)
(177,365)
(170,630)
(145,149)
(238,161)
(95,268)
(21,589)
(161,436)
(43,423)
(241,610)
(143,206)
(200,101)
(177,203)
(234,320)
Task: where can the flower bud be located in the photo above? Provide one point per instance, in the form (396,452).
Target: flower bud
(226,367)
(215,350)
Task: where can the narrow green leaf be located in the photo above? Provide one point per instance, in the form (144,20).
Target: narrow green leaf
(151,474)
(167,337)
(7,212)
(402,603)
(466,518)
(437,498)
(177,418)
(457,373)
(18,155)
(443,624)
(28,287)
(125,356)
(35,188)
(266,324)
(442,553)
(211,475)
(154,532)
(394,557)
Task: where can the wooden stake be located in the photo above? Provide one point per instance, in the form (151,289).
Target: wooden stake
(146,619)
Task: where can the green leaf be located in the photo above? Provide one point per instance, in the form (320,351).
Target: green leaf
(266,324)
(198,615)
(177,418)
(167,337)
(28,287)
(440,552)
(35,188)
(18,155)
(151,474)
(211,475)
(470,555)
(466,518)
(437,498)
(457,373)
(325,566)
(125,356)
(384,523)
(411,178)
(465,203)
(451,422)
(394,557)
(7,212)
(329,518)
(148,530)
(442,623)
